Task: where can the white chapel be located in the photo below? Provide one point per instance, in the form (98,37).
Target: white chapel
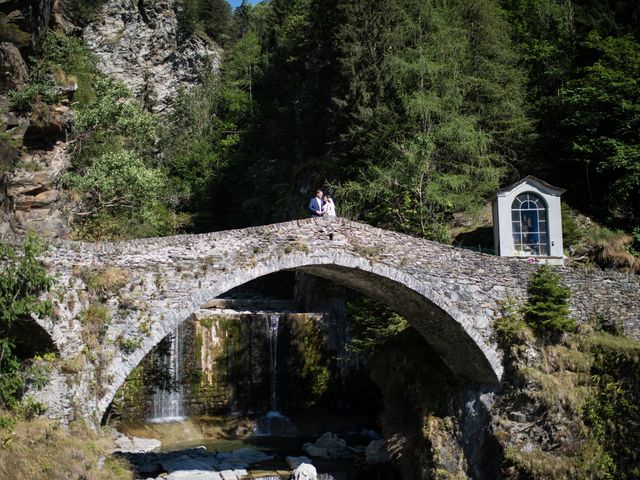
(527,221)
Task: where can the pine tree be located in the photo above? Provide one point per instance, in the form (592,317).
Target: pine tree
(547,308)
(461,101)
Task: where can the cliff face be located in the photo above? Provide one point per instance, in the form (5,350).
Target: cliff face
(33,144)
(138,42)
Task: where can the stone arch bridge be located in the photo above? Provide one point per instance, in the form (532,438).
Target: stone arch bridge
(113,302)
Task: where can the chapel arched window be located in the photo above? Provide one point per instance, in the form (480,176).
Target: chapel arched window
(529,225)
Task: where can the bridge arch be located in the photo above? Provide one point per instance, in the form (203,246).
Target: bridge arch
(451,296)
(450,331)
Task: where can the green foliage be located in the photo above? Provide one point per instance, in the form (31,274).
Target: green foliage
(571,231)
(10,32)
(22,280)
(211,17)
(204,129)
(634,248)
(511,326)
(314,371)
(613,413)
(112,121)
(128,345)
(119,186)
(582,64)
(461,96)
(59,61)
(371,325)
(547,307)
(603,119)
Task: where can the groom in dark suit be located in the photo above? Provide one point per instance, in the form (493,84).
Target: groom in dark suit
(315,205)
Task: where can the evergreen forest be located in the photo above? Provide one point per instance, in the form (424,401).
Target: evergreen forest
(412,112)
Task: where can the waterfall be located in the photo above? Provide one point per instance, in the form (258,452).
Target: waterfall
(168,405)
(273,322)
(274,422)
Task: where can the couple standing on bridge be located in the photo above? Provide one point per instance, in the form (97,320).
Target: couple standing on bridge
(322,205)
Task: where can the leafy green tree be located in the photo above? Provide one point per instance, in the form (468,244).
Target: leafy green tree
(204,130)
(121,198)
(547,307)
(211,17)
(22,279)
(364,106)
(371,325)
(461,99)
(581,59)
(603,121)
(112,121)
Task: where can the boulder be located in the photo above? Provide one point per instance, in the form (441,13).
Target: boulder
(193,475)
(334,446)
(305,471)
(15,125)
(31,197)
(315,451)
(47,125)
(136,444)
(247,456)
(376,452)
(13,69)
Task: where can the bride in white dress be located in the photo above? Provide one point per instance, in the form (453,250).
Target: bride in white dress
(329,208)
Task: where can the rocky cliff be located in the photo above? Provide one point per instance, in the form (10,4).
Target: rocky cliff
(139,42)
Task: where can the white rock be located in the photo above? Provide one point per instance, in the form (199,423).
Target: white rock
(228,475)
(142,47)
(127,444)
(305,471)
(193,475)
(333,446)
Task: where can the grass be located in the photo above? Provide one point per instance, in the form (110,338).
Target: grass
(627,346)
(589,461)
(95,320)
(602,246)
(569,389)
(74,364)
(41,450)
(371,252)
(297,246)
(106,281)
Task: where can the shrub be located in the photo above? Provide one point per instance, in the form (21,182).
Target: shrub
(371,325)
(120,191)
(613,413)
(95,320)
(128,345)
(511,326)
(22,279)
(113,113)
(547,307)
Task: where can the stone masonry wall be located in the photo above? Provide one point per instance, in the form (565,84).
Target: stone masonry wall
(451,296)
